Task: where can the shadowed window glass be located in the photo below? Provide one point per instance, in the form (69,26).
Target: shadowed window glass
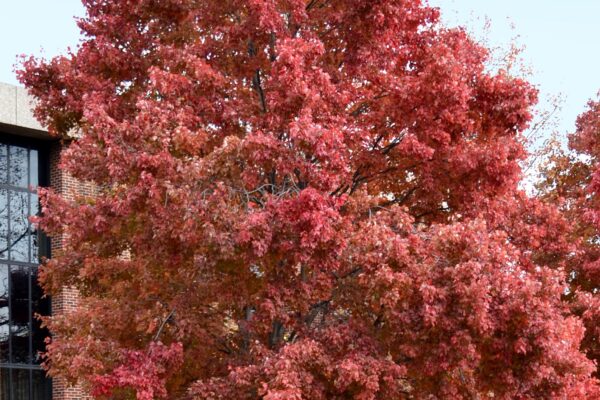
(22,339)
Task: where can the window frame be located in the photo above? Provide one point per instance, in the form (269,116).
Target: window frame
(12,368)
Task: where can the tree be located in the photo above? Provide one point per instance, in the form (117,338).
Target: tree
(300,200)
(571,183)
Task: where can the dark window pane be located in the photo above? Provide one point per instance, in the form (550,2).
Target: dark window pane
(41,306)
(4,384)
(3,163)
(4,313)
(3,224)
(18,173)
(20,314)
(33,168)
(42,386)
(19,226)
(20,384)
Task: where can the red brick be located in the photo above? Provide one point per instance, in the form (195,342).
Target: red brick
(67,301)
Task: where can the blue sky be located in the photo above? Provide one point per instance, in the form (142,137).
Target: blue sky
(561,39)
(28,26)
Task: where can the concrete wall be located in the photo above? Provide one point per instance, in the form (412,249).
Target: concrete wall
(16,112)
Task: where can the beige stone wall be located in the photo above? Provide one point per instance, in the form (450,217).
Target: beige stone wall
(15,110)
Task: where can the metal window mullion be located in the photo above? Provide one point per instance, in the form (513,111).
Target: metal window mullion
(10,312)
(29,302)
(10,359)
(28,171)
(22,366)
(29,272)
(8,267)
(8,216)
(8,166)
(30,384)
(21,263)
(14,188)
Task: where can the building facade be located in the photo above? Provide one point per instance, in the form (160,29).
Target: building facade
(28,160)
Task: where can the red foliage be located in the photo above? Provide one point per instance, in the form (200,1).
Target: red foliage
(578,184)
(315,199)
(141,371)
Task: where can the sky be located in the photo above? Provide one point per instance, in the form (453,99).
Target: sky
(35,27)
(561,40)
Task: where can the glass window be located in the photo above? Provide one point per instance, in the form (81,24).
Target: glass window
(18,169)
(22,338)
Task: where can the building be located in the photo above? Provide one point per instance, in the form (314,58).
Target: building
(28,159)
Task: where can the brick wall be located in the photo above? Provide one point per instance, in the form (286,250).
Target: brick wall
(67,301)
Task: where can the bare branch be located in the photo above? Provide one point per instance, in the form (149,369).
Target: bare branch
(163,324)
(21,236)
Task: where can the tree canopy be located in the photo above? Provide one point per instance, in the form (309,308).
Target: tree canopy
(310,199)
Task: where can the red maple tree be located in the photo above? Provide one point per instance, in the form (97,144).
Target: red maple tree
(571,183)
(300,199)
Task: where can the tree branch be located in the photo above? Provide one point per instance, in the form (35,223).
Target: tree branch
(256,80)
(163,324)
(7,248)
